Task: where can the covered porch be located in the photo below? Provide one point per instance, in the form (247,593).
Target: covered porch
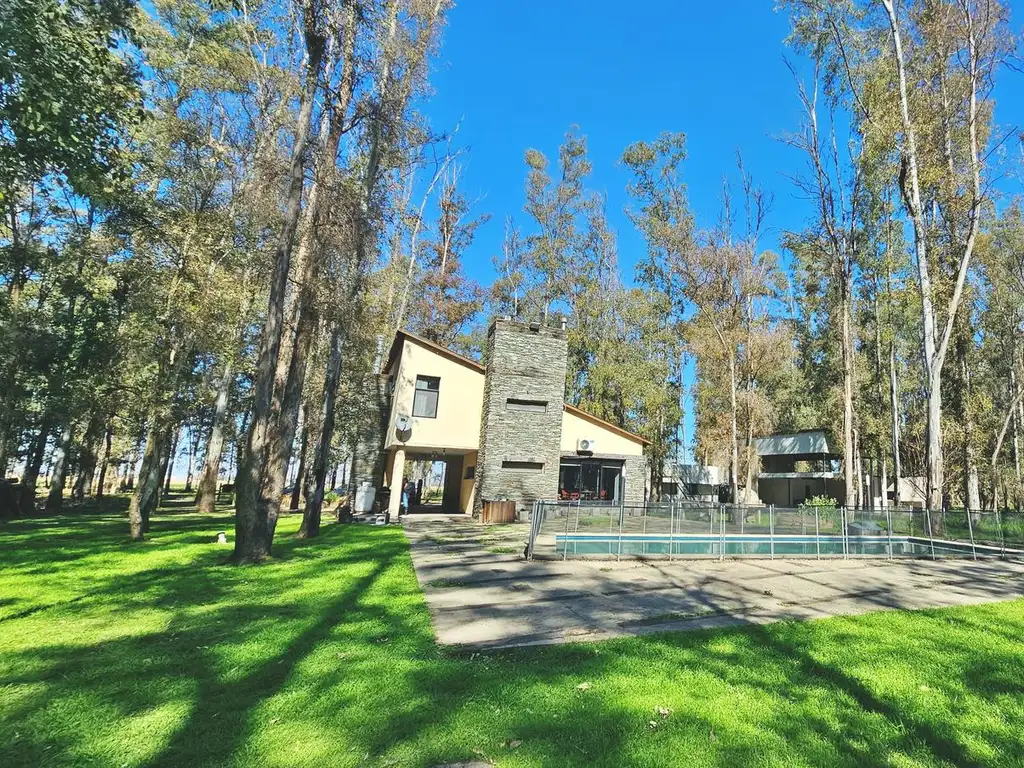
(442,479)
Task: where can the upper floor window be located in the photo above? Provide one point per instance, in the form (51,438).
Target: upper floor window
(424,402)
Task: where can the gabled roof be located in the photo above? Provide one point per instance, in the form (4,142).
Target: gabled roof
(434,347)
(606,424)
(404,335)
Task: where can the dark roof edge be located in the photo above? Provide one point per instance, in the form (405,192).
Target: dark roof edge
(434,347)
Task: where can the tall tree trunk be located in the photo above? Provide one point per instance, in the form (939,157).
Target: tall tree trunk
(87,458)
(972,490)
(894,409)
(851,475)
(879,392)
(1017,398)
(734,455)
(171,456)
(314,504)
(206,499)
(936,341)
(155,459)
(1018,422)
(884,482)
(311,256)
(147,491)
(34,460)
(749,449)
(859,495)
(55,499)
(912,198)
(300,472)
(256,514)
(101,482)
(133,463)
(193,448)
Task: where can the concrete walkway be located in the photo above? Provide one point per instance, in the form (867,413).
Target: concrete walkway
(483,594)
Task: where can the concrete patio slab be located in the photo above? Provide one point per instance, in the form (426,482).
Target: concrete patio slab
(482,596)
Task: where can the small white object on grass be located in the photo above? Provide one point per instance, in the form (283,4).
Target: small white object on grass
(222,538)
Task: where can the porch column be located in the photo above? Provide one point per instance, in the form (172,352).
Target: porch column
(397,481)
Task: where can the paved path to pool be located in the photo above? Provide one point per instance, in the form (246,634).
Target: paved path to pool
(483,594)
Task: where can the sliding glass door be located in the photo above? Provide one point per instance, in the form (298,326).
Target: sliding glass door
(582,479)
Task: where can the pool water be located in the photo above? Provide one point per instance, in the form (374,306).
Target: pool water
(754,545)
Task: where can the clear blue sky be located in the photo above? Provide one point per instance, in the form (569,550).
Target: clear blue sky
(518,73)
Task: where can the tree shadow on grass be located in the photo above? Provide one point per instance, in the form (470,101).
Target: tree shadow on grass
(807,708)
(330,644)
(915,731)
(879,724)
(214,612)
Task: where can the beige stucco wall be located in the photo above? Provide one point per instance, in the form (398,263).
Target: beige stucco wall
(459,402)
(608,442)
(468,486)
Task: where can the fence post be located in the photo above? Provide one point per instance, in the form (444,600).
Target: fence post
(721,537)
(565,535)
(1002,535)
(671,525)
(535,527)
(533,522)
(771,529)
(970,532)
(622,514)
(817,535)
(845,532)
(928,524)
(888,528)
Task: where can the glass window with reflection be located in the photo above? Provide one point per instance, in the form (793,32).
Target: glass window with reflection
(424,402)
(585,479)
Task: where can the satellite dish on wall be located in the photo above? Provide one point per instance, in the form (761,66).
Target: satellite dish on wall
(403,424)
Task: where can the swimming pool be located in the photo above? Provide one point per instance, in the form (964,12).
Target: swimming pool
(738,545)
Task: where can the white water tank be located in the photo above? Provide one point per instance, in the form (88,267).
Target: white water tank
(365,494)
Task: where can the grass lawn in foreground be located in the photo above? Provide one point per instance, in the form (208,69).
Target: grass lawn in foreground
(157,654)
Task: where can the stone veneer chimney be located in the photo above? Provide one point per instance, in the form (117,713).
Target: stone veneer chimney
(521,423)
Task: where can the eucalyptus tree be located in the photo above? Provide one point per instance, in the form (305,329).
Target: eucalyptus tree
(722,286)
(194,249)
(68,96)
(68,91)
(510,266)
(445,301)
(660,210)
(367,62)
(951,52)
(555,205)
(914,82)
(834,182)
(1002,333)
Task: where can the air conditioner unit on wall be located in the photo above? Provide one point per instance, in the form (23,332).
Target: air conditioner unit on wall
(585,445)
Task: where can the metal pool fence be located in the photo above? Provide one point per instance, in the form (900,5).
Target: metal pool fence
(561,530)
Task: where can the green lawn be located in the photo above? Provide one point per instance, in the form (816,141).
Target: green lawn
(157,654)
